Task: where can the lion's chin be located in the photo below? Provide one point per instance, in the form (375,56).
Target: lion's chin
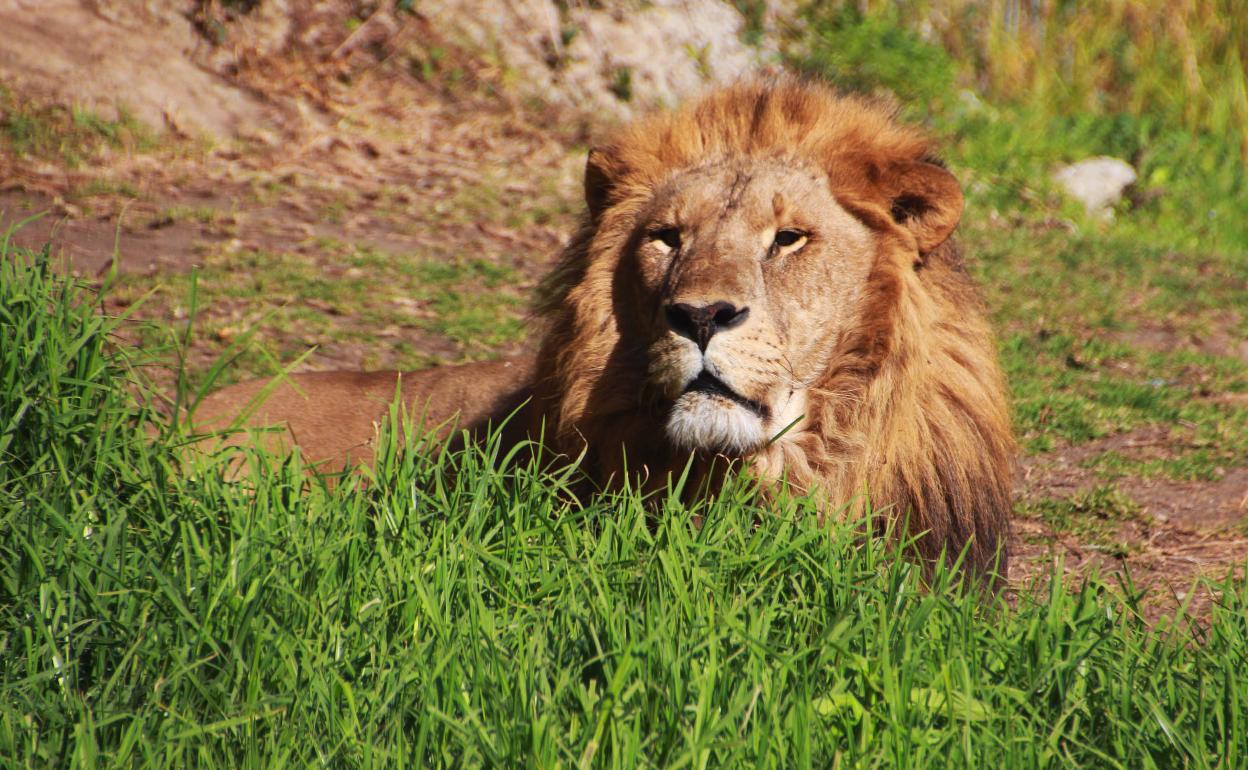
(712,423)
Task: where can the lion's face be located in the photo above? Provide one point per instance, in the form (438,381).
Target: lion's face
(749,272)
(768,253)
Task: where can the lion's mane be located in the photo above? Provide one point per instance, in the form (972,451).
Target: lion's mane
(911,409)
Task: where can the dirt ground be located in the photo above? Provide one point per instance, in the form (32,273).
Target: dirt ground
(356,146)
(1171,533)
(354,155)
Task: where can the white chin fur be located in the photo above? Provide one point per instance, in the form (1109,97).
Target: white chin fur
(710,423)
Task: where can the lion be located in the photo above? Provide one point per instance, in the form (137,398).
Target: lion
(765,279)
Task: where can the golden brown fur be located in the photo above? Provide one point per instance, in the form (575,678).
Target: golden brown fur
(910,406)
(863,337)
(333,416)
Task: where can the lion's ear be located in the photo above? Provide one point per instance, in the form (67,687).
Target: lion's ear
(599,178)
(927,200)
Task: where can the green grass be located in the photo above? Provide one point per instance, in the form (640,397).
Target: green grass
(1010,124)
(343,294)
(72,136)
(449,613)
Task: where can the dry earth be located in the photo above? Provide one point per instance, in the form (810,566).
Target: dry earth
(347,141)
(1167,534)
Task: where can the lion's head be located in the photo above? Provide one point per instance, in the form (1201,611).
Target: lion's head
(767,275)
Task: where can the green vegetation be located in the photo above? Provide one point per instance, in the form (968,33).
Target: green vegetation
(1174,65)
(754,13)
(469,304)
(1078,389)
(1019,96)
(204,215)
(451,614)
(622,84)
(69,135)
(871,52)
(286,302)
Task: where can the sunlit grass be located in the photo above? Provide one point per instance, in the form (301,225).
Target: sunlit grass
(1020,89)
(291,302)
(449,610)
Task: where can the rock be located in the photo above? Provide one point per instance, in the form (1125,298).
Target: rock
(614,59)
(118,57)
(969,101)
(1097,183)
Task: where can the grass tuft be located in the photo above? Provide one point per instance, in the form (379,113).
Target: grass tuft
(72,136)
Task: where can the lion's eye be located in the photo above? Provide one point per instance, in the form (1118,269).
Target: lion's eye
(788,237)
(669,236)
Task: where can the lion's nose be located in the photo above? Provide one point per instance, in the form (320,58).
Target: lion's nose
(701,323)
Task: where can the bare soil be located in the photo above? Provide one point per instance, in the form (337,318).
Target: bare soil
(1215,341)
(1176,531)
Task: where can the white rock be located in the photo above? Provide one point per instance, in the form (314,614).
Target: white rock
(101,55)
(611,60)
(969,101)
(1097,183)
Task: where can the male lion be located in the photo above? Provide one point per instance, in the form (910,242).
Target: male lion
(763,278)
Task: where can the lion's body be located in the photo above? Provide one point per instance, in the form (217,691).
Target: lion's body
(766,279)
(333,416)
